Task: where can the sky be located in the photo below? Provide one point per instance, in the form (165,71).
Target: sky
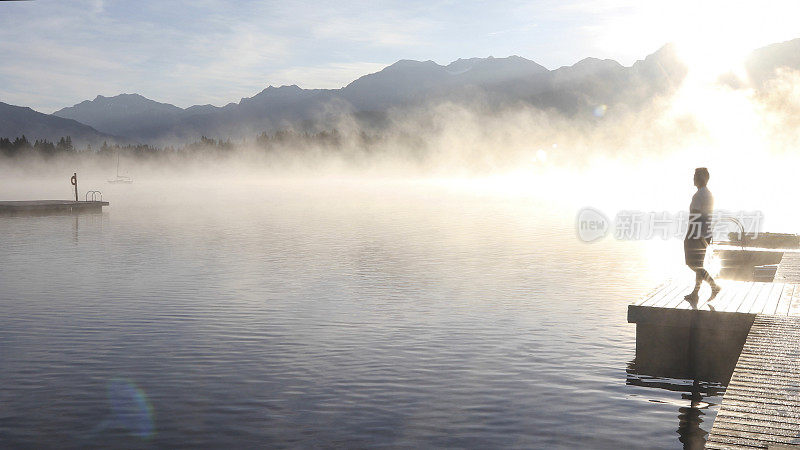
(58,53)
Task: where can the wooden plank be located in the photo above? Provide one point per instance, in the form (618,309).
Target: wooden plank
(763,383)
(679,302)
(727,296)
(768,301)
(741,293)
(749,429)
(731,414)
(726,442)
(776,396)
(715,446)
(761,406)
(38,203)
(777,359)
(786,299)
(48,205)
(667,294)
(762,412)
(794,307)
(724,298)
(789,268)
(647,299)
(752,297)
(764,437)
(674,296)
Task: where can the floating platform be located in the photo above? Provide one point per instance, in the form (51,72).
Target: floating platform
(748,338)
(50,207)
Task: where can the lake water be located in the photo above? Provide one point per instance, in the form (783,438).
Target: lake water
(329,313)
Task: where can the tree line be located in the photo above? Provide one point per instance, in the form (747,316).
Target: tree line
(21,146)
(266,141)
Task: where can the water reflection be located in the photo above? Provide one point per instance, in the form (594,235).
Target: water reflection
(89,224)
(691,417)
(687,359)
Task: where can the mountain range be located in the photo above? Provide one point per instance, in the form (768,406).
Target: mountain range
(487,84)
(476,82)
(17,121)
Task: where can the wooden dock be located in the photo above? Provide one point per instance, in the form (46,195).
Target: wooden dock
(761,407)
(789,268)
(50,207)
(748,338)
(744,297)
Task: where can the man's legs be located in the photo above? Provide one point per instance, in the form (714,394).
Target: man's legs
(701,275)
(695,250)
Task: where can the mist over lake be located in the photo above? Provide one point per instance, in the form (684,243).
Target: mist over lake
(357,312)
(403,225)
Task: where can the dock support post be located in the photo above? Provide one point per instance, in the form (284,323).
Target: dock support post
(74,181)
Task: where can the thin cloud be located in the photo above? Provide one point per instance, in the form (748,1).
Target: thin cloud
(212,51)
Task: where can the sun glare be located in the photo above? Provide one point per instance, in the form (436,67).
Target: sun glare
(713,37)
(708,57)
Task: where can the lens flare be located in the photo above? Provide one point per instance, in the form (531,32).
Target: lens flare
(600,111)
(130,409)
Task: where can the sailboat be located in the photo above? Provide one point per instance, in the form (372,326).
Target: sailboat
(121,179)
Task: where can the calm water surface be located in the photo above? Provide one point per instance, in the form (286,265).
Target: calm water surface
(347,313)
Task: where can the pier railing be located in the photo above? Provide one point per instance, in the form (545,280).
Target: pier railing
(96,196)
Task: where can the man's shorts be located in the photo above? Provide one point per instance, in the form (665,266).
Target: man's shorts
(695,251)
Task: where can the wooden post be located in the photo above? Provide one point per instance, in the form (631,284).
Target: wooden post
(74,181)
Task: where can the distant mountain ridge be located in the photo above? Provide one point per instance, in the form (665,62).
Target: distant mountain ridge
(139,118)
(405,83)
(486,83)
(16,121)
(122,114)
(763,62)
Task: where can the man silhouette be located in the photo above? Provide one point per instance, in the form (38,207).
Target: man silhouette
(698,234)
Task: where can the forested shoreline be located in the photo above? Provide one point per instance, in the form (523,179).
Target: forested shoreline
(21,147)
